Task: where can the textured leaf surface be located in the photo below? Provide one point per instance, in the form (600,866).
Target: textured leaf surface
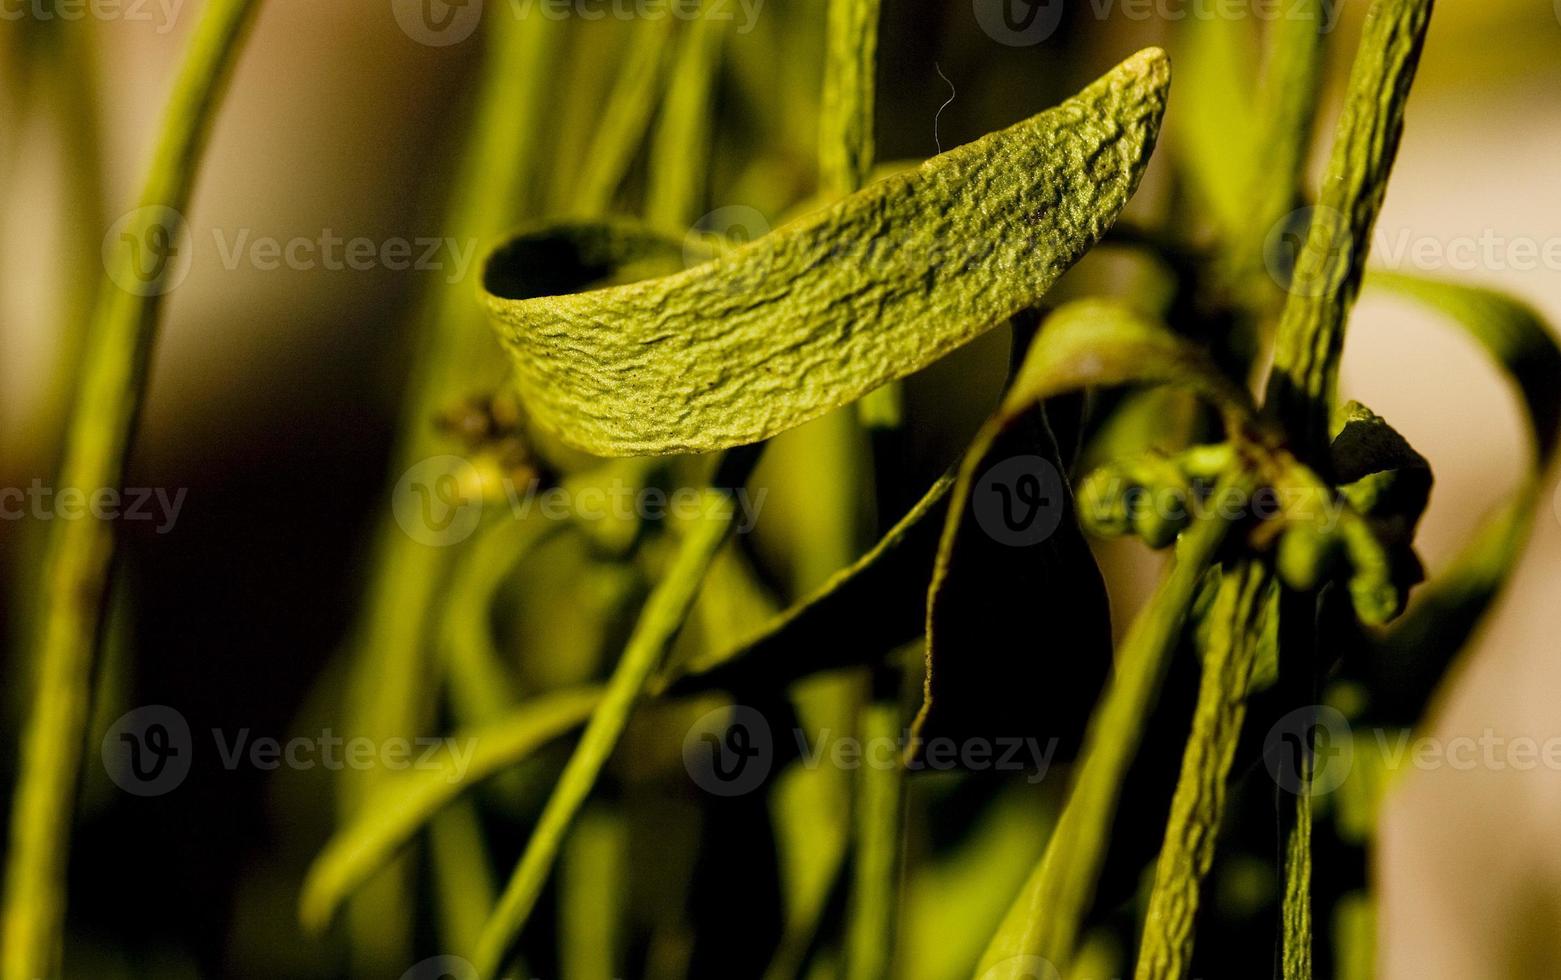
(824,311)
(1229,644)
(1329,269)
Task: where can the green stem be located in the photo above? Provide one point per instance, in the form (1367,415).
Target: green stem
(75,74)
(592,896)
(663,616)
(1328,272)
(455,355)
(1310,339)
(879,826)
(846,157)
(629,111)
(1296,911)
(1286,109)
(1046,919)
(678,170)
(462,874)
(846,125)
(79,553)
(1198,805)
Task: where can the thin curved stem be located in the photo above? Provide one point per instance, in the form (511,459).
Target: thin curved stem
(663,616)
(112,385)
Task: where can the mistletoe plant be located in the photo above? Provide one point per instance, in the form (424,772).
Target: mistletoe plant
(1291,538)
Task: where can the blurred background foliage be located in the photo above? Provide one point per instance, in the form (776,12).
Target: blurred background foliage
(279,399)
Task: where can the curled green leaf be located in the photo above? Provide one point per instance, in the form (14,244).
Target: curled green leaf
(820,313)
(1407,663)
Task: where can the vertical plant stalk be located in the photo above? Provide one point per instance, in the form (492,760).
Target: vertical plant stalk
(79,553)
(454,355)
(1355,937)
(845,146)
(592,897)
(678,169)
(846,157)
(1296,909)
(478,683)
(626,120)
(664,613)
(1328,272)
(1046,920)
(813,856)
(879,826)
(462,877)
(1310,339)
(74,69)
(1199,801)
(67,57)
(1286,111)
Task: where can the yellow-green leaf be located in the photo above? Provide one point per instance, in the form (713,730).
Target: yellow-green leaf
(827,309)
